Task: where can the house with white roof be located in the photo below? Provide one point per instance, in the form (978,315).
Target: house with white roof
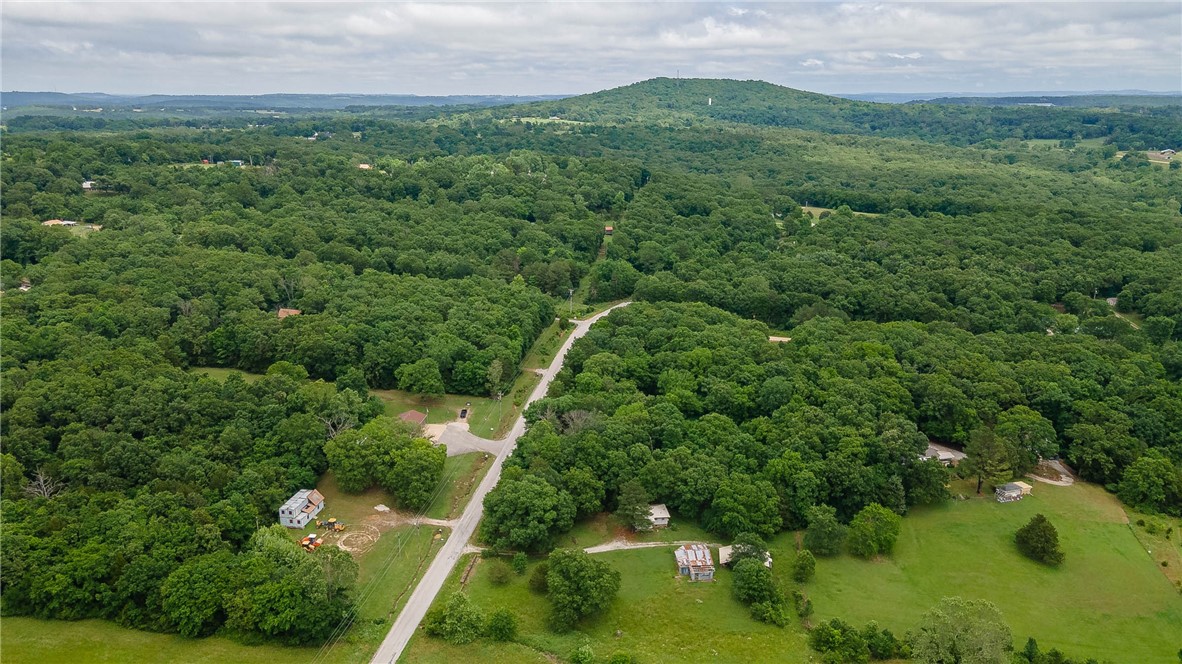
(301,508)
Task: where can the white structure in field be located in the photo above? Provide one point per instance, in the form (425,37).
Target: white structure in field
(658,515)
(301,508)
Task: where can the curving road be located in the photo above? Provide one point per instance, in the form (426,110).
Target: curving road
(424,593)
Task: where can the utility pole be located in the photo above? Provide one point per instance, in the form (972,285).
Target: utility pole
(571,295)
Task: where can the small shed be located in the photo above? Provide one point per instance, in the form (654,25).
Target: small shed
(284,313)
(88,184)
(365,167)
(1011,491)
(301,508)
(414,417)
(608,230)
(658,515)
(725,553)
(694,561)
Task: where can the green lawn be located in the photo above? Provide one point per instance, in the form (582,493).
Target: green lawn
(32,641)
(657,617)
(1108,600)
(816,211)
(462,474)
(222,374)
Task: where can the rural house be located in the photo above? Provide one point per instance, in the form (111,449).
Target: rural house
(414,417)
(725,552)
(658,515)
(301,508)
(694,561)
(1011,491)
(284,313)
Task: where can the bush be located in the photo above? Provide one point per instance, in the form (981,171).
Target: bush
(838,641)
(772,613)
(753,583)
(578,585)
(520,562)
(882,643)
(537,580)
(582,655)
(873,531)
(1038,540)
(620,657)
(459,621)
(825,534)
(748,545)
(499,572)
(804,567)
(802,604)
(502,625)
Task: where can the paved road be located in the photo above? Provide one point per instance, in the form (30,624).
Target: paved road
(459,440)
(424,593)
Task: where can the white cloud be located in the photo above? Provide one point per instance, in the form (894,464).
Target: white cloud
(528,48)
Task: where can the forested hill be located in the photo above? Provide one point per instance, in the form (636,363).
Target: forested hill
(681,102)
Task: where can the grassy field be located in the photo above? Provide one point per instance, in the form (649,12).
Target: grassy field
(604,528)
(657,617)
(32,641)
(1108,600)
(1162,544)
(816,211)
(462,474)
(222,374)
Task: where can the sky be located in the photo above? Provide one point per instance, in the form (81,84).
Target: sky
(441,48)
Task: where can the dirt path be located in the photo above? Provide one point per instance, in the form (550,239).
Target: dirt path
(1127,320)
(957,455)
(1054,472)
(361,537)
(624,545)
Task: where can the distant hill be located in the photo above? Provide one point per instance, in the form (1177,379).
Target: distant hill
(679,102)
(1068,101)
(904,97)
(18,99)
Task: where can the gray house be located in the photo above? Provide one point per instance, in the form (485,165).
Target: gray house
(301,508)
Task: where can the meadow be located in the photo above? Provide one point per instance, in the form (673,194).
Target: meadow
(1108,600)
(656,617)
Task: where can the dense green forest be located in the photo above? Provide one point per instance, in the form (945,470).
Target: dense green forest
(953,289)
(747,434)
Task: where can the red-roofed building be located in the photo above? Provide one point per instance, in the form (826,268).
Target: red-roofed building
(284,313)
(414,417)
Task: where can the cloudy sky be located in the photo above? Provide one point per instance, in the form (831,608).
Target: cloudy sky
(572,47)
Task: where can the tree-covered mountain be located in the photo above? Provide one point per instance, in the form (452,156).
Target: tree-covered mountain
(679,102)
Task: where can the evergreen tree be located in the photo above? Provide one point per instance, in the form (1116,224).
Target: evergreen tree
(1038,540)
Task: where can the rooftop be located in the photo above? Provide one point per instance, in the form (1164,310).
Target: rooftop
(694,556)
(658,511)
(414,417)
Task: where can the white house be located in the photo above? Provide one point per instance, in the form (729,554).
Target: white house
(301,508)
(658,515)
(725,552)
(694,561)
